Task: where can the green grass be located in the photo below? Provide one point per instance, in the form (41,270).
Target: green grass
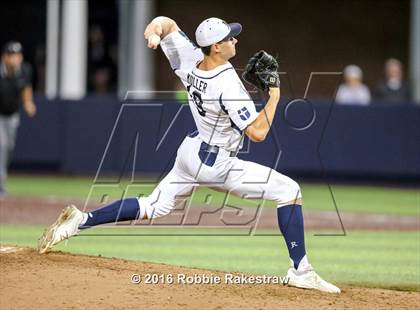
(349,198)
(389,259)
(43,186)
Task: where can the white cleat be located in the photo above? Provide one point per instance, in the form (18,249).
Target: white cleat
(65,226)
(311,280)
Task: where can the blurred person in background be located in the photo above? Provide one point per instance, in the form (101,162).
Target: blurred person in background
(353,91)
(393,88)
(101,66)
(15,91)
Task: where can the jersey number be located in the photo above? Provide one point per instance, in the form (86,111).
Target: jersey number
(196,97)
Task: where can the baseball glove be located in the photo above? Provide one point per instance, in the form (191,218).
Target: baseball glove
(261,71)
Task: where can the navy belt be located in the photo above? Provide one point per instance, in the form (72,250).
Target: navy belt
(208,153)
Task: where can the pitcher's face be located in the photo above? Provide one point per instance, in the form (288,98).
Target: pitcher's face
(227,47)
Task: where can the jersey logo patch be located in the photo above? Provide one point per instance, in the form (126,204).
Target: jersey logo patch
(244,113)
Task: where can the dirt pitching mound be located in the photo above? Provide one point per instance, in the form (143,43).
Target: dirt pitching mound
(65,281)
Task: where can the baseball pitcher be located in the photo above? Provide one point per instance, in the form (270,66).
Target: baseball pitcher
(223,113)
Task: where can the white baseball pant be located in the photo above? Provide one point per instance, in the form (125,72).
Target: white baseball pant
(230,174)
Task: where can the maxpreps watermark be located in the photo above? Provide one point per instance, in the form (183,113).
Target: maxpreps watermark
(211,279)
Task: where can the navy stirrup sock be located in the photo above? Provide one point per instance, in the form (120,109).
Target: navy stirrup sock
(290,219)
(118,211)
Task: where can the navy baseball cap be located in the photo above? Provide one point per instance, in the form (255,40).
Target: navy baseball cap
(235,29)
(213,30)
(12,47)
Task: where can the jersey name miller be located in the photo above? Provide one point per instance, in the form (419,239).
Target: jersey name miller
(219,103)
(198,84)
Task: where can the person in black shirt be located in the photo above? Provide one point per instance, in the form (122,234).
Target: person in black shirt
(15,91)
(393,89)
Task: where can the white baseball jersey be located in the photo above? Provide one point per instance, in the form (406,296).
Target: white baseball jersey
(222,109)
(219,102)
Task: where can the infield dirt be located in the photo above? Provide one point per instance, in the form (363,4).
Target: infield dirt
(65,281)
